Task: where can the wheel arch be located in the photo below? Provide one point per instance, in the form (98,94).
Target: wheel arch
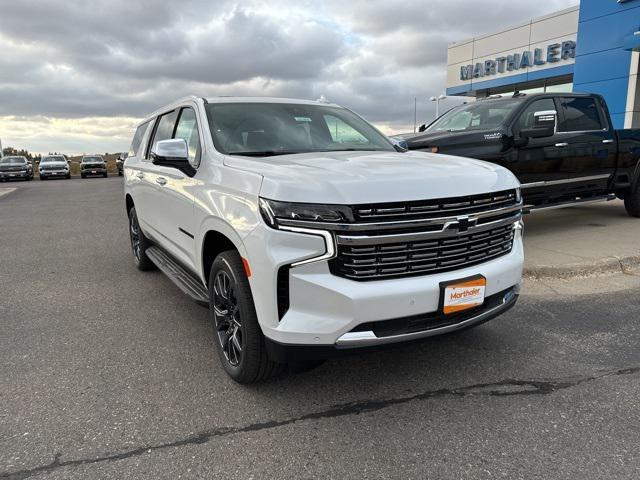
(214,242)
(128,200)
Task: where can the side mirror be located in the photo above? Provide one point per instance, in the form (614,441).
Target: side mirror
(172,153)
(544,125)
(422,128)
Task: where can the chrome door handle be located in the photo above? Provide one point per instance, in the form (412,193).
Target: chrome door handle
(607,141)
(161,181)
(140,175)
(562,145)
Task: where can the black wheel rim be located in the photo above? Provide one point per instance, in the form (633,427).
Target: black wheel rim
(134,230)
(227,318)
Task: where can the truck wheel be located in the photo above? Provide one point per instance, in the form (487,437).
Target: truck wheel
(632,202)
(139,243)
(237,335)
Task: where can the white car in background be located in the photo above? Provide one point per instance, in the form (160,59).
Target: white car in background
(308,233)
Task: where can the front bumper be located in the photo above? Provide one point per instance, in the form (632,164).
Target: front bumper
(93,171)
(12,175)
(326,310)
(53,173)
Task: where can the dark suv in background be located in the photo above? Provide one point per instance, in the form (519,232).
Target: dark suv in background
(93,165)
(13,168)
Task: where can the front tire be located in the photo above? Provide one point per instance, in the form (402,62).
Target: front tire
(139,243)
(632,201)
(238,337)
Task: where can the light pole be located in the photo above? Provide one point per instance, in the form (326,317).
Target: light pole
(437,100)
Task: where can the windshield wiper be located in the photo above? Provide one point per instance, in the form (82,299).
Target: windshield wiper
(265,153)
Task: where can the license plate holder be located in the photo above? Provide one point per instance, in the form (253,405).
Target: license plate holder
(462,294)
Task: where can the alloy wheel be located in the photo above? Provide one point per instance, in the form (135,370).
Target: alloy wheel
(134,230)
(227,317)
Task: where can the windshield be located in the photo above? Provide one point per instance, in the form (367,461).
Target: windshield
(92,159)
(265,129)
(15,160)
(481,115)
(53,159)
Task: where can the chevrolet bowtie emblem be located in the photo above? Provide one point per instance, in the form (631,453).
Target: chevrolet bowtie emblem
(464,222)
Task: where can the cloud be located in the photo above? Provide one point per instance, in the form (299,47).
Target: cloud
(110,62)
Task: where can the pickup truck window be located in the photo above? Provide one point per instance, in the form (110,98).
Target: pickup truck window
(187,129)
(481,115)
(527,117)
(266,129)
(579,114)
(13,160)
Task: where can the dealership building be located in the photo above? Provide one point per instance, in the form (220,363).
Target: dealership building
(592,48)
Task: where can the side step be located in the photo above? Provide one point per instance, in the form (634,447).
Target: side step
(578,201)
(185,280)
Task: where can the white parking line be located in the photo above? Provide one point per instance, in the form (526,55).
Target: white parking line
(5,191)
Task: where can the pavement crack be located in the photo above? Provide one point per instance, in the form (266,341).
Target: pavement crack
(508,387)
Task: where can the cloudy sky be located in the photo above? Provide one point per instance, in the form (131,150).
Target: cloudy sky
(76,75)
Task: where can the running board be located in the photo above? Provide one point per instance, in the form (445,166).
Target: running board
(185,280)
(578,201)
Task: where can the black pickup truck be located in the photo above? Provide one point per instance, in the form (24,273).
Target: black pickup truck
(562,147)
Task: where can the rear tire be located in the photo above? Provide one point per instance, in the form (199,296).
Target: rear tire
(632,201)
(139,243)
(237,335)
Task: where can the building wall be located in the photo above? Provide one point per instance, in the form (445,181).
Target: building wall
(536,33)
(607,56)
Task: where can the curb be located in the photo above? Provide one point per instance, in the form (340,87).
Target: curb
(600,267)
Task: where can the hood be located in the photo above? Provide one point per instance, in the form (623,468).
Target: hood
(54,164)
(445,138)
(13,166)
(366,177)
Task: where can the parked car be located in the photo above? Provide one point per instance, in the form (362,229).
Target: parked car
(307,233)
(54,166)
(14,168)
(120,162)
(93,165)
(562,146)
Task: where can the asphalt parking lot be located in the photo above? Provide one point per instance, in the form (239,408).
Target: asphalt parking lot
(108,372)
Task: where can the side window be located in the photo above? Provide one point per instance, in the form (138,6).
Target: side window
(342,132)
(580,114)
(164,128)
(137,139)
(527,117)
(187,129)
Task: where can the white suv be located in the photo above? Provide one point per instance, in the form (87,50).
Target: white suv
(308,233)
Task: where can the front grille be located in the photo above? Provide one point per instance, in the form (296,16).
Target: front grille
(434,208)
(90,167)
(418,258)
(399,240)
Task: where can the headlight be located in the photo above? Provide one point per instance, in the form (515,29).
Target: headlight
(272,211)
